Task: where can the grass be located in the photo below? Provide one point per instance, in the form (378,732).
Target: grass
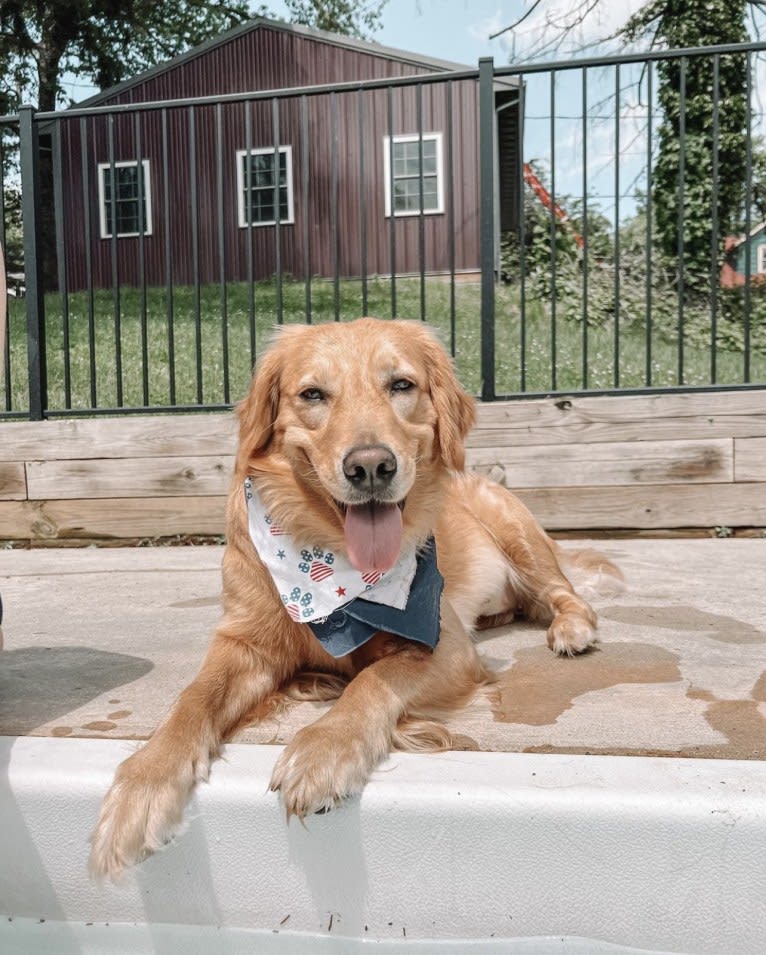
(147,325)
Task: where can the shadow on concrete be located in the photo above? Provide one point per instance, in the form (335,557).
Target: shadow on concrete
(40,684)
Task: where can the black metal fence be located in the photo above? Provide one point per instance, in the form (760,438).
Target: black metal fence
(584,226)
(647,260)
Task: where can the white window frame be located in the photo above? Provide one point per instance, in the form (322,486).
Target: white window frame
(413,138)
(102,219)
(761,259)
(269,150)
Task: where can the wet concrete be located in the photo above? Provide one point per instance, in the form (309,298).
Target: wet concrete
(100,642)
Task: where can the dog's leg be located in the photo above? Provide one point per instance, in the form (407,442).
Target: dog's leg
(547,593)
(537,583)
(573,627)
(334,756)
(143,808)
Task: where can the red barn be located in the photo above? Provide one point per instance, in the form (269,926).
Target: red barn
(242,163)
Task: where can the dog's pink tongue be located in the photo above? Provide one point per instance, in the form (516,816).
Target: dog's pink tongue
(373,536)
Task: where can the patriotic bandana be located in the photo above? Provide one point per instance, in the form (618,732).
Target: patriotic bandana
(343,606)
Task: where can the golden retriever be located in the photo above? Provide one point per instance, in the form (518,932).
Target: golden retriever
(351,443)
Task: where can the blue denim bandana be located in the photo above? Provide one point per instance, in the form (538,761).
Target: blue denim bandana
(352,626)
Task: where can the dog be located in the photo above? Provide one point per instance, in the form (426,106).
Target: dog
(349,477)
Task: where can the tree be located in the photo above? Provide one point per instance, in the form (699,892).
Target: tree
(687,92)
(550,28)
(102,40)
(107,41)
(338,16)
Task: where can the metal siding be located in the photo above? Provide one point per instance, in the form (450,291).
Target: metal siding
(266,59)
(261,60)
(508,164)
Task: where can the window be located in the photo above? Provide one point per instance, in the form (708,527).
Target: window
(407,175)
(124,190)
(256,183)
(761,258)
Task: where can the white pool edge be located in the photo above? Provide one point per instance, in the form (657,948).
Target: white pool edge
(469,849)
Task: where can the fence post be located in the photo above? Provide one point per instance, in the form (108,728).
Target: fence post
(33,265)
(487,224)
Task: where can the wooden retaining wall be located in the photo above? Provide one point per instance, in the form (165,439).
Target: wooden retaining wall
(632,463)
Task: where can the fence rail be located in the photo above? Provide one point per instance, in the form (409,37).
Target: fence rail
(160,241)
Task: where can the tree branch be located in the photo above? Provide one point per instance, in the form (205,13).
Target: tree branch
(535,5)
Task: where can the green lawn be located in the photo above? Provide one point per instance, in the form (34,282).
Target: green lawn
(146,333)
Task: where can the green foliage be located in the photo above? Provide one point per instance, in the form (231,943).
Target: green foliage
(99,39)
(338,16)
(13,245)
(740,319)
(669,287)
(107,42)
(546,237)
(637,293)
(687,135)
(554,265)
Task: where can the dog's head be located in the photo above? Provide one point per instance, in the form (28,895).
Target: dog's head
(369,416)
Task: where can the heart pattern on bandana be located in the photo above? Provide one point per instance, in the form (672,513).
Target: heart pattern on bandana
(313,581)
(320,570)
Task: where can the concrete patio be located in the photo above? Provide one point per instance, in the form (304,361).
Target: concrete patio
(98,642)
(614,803)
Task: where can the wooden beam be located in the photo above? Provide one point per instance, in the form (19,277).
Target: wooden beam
(172,435)
(606,464)
(129,477)
(544,412)
(558,509)
(620,418)
(750,459)
(107,519)
(651,506)
(13,482)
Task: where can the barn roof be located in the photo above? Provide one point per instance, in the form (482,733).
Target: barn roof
(258,23)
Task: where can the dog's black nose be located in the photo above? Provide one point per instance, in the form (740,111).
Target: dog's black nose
(373,465)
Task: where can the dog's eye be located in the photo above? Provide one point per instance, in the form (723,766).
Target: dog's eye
(312,394)
(402,384)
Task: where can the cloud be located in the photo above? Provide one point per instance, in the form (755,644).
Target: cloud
(564,27)
(488,25)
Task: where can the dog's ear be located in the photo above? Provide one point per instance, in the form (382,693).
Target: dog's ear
(455,410)
(258,411)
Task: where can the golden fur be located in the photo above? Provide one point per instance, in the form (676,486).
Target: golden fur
(318,392)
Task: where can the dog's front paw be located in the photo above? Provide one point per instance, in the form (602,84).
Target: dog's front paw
(324,763)
(570,634)
(141,813)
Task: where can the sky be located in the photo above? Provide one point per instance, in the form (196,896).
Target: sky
(459,30)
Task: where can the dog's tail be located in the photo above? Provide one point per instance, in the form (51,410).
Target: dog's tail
(590,572)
